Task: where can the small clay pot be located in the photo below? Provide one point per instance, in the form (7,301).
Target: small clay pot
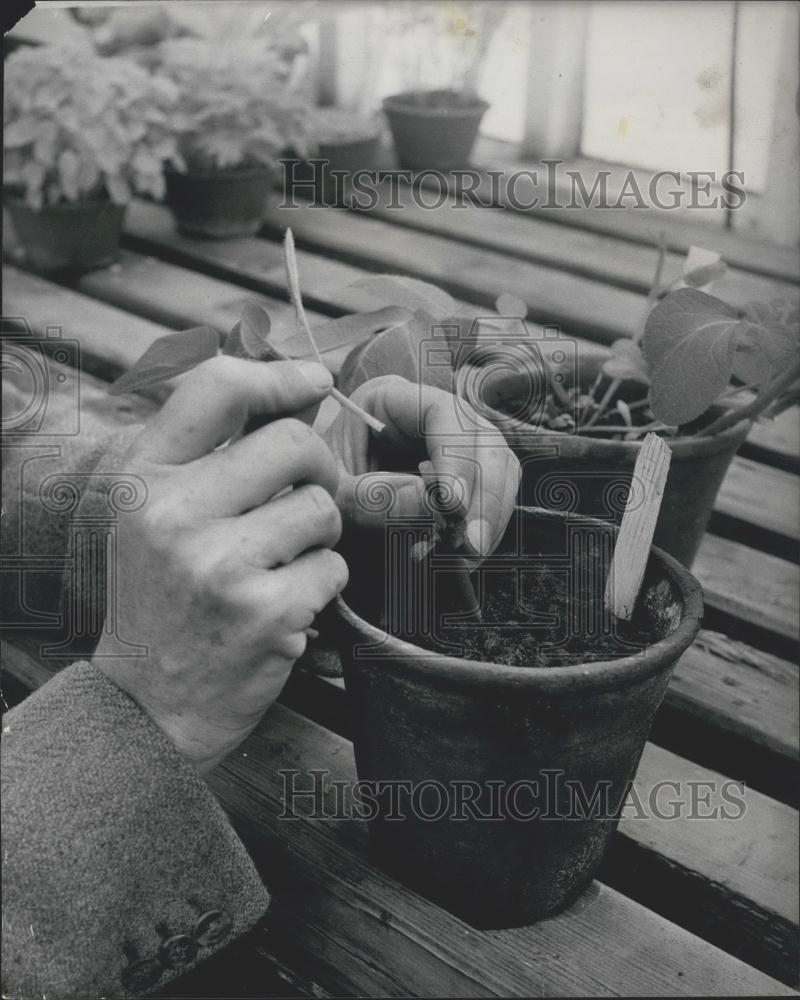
(591,475)
(218,204)
(434,129)
(307,177)
(425,722)
(78,236)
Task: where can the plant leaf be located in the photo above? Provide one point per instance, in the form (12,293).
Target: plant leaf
(167,357)
(407,349)
(233,342)
(689,344)
(768,341)
(354,329)
(702,266)
(255,327)
(511,306)
(410,293)
(627,362)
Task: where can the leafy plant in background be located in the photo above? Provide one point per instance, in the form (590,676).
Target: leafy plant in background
(79,126)
(692,346)
(234,110)
(440,45)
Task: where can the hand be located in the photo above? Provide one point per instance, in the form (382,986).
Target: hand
(225,566)
(427,426)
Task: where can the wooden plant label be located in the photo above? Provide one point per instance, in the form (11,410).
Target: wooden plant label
(638,526)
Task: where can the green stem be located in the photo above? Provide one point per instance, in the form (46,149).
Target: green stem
(601,406)
(652,296)
(769,393)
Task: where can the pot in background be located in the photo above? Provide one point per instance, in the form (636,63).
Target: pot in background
(218,204)
(78,236)
(434,129)
(423,717)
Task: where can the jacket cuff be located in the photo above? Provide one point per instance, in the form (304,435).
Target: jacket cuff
(121,871)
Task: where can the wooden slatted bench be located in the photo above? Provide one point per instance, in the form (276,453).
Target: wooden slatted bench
(681,907)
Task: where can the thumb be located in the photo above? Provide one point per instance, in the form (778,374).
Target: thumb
(216,399)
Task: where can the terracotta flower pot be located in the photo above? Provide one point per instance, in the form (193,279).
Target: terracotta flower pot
(434,129)
(218,204)
(350,156)
(427,724)
(80,236)
(591,475)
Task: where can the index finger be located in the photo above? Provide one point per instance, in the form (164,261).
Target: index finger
(216,399)
(426,418)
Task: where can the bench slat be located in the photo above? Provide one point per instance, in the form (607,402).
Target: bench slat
(743,879)
(753,586)
(611,259)
(640,226)
(258,264)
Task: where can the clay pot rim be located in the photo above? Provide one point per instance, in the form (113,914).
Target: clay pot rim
(14,200)
(227,174)
(583,677)
(518,433)
(403,103)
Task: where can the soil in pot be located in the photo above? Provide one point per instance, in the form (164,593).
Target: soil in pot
(75,236)
(218,204)
(523,616)
(434,129)
(531,743)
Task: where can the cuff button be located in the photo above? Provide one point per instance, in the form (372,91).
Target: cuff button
(178,950)
(141,974)
(212,927)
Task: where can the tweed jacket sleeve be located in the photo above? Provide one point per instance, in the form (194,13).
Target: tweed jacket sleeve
(120,869)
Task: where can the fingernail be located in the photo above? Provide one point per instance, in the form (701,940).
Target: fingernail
(479,536)
(318,375)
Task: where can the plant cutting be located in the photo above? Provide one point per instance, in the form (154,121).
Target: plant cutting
(436,127)
(235,118)
(697,375)
(82,134)
(250,337)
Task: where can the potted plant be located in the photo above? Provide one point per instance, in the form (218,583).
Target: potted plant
(486,741)
(236,116)
(81,134)
(435,127)
(575,415)
(340,141)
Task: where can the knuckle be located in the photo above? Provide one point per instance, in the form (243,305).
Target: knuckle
(325,512)
(293,645)
(158,520)
(295,432)
(337,572)
(220,369)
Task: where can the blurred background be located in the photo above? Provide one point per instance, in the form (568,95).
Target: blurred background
(686,86)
